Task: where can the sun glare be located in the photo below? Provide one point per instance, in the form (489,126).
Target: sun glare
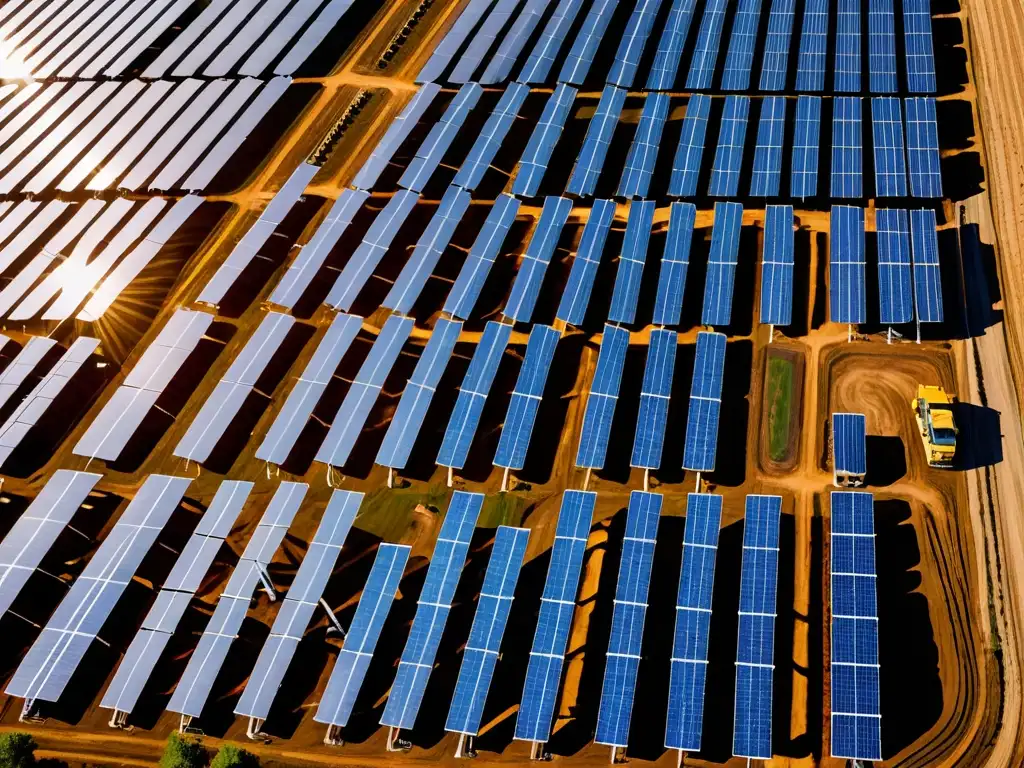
(12,66)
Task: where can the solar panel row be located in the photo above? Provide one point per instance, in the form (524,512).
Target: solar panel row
(631,46)
(655,392)
(722,261)
(538,64)
(482,255)
(587,170)
(849,452)
(643,153)
(847,300)
(541,146)
(705,403)
(526,289)
(777,266)
(626,292)
(572,308)
(896,300)
(675,262)
(740,56)
(604,394)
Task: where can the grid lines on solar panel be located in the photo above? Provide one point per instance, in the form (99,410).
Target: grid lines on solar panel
(725,172)
(592,155)
(896,301)
(705,54)
(775,64)
(470,282)
(810,73)
(622,661)
(577,64)
(722,260)
(631,46)
(558,601)
(847,293)
(538,64)
(918,45)
(847,147)
(631,262)
(603,397)
(534,264)
(882,46)
(924,249)
(643,152)
(541,145)
(806,139)
(526,396)
(693,620)
(572,307)
(771,129)
(849,454)
(856,711)
(847,63)
(675,262)
(652,421)
(705,403)
(887,131)
(923,148)
(777,266)
(690,150)
(670,46)
(743,40)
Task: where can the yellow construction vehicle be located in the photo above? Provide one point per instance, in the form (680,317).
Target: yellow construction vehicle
(933,409)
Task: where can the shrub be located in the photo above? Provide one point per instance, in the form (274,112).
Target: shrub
(230,756)
(17,750)
(183,752)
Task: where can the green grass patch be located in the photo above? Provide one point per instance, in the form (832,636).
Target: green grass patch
(779,399)
(502,509)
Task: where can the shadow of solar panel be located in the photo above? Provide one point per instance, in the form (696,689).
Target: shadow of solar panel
(643,152)
(771,129)
(740,56)
(918,46)
(538,64)
(675,262)
(847,302)
(604,393)
(725,172)
(487,144)
(887,132)
(577,64)
(775,65)
(690,151)
(722,261)
(541,146)
(705,54)
(670,46)
(924,244)
(652,421)
(847,62)
(777,266)
(534,264)
(592,155)
(847,147)
(526,396)
(631,262)
(705,403)
(923,148)
(896,300)
(482,254)
(572,308)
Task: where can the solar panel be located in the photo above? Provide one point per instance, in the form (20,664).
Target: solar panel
(482,254)
(538,64)
(226,400)
(526,396)
(771,129)
(705,54)
(924,244)
(31,537)
(577,64)
(364,631)
(722,261)
(675,262)
(643,152)
(433,148)
(146,28)
(367,256)
(591,159)
(419,391)
(693,620)
(427,253)
(24,363)
(849,452)
(315,34)
(725,173)
(847,147)
(541,146)
(604,393)
(491,137)
(804,178)
(622,662)
(241,40)
(856,712)
(775,65)
(631,262)
(500,63)
(918,45)
(395,136)
(670,47)
(631,45)
(572,308)
(847,302)
(534,263)
(923,148)
(652,421)
(690,151)
(482,41)
(453,41)
(308,389)
(777,266)
(755,649)
(480,656)
(810,73)
(362,394)
(887,130)
(281,33)
(705,403)
(465,418)
(740,56)
(896,300)
(848,66)
(557,603)
(432,610)
(47,667)
(882,47)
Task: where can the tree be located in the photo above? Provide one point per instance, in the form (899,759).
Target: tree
(17,750)
(183,752)
(230,756)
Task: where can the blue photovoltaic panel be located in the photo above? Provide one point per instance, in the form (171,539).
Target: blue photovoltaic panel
(722,260)
(492,609)
(725,173)
(856,710)
(482,254)
(534,162)
(740,56)
(432,610)
(771,129)
(498,18)
(693,620)
(558,601)
(361,639)
(847,147)
(453,41)
(896,302)
(924,247)
(622,661)
(668,303)
(588,39)
(849,451)
(412,408)
(348,424)
(777,266)
(534,264)
(848,47)
(687,161)
(465,418)
(595,146)
(652,421)
(881,47)
(847,302)
(395,136)
(639,170)
(923,148)
(538,64)
(631,263)
(755,649)
(705,54)
(917,37)
(887,133)
(440,138)
(526,397)
(775,65)
(487,144)
(604,392)
(670,46)
(631,46)
(705,403)
(500,62)
(572,308)
(810,73)
(806,138)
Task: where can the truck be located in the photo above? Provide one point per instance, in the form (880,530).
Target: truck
(933,410)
